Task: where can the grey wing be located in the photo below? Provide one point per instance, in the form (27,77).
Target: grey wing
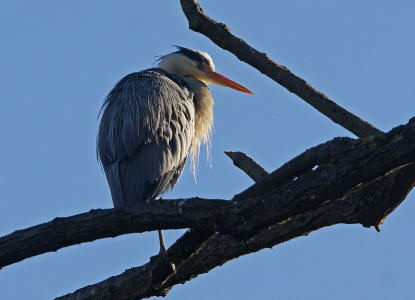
(145,134)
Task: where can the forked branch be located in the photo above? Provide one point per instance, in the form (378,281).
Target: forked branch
(358,181)
(362,181)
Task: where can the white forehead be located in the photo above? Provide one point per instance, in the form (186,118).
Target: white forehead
(207,56)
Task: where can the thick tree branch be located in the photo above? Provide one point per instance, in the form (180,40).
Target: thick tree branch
(343,164)
(102,223)
(390,190)
(156,278)
(361,182)
(220,34)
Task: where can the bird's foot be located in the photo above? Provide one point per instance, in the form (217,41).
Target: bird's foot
(162,258)
(163,252)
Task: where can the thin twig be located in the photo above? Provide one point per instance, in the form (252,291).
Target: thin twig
(248,165)
(312,157)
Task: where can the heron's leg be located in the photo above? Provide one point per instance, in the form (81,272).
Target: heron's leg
(162,245)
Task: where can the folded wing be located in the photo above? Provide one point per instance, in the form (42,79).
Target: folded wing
(145,134)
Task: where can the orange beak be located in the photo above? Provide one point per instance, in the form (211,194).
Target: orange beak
(219,79)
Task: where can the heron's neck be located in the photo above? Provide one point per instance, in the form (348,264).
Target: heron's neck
(203,102)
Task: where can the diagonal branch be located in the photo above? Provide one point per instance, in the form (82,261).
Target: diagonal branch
(220,34)
(309,159)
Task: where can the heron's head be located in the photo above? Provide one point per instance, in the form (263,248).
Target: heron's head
(197,64)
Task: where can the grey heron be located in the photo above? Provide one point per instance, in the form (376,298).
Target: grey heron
(150,122)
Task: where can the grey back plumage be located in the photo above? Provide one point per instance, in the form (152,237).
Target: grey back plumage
(145,134)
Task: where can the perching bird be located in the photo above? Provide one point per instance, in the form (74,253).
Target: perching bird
(151,120)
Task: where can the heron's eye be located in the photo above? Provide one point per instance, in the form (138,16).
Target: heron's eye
(204,66)
(200,65)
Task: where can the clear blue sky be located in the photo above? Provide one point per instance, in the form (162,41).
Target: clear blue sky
(59,59)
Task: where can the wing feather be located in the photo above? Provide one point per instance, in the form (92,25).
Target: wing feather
(145,134)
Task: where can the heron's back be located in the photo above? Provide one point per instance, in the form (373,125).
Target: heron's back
(145,134)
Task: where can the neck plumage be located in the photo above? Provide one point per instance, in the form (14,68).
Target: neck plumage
(203,102)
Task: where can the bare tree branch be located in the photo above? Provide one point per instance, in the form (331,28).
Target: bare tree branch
(248,165)
(343,164)
(102,223)
(220,34)
(291,210)
(311,158)
(390,190)
(361,182)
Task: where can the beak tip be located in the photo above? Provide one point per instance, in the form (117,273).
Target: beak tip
(224,81)
(245,90)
